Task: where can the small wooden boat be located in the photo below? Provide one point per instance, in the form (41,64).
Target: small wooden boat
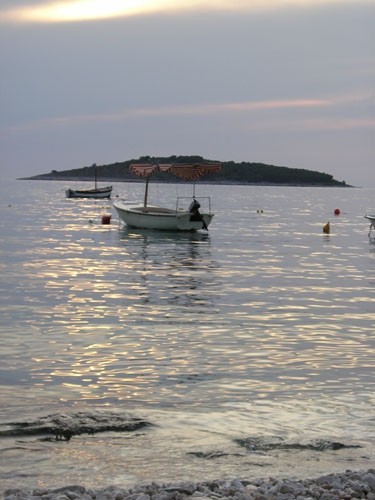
(104,192)
(98,193)
(179,218)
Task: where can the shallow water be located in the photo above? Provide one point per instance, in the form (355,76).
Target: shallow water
(261,329)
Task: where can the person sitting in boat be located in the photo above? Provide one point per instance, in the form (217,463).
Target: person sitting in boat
(195,214)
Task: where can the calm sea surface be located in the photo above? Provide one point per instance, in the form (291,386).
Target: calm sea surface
(248,349)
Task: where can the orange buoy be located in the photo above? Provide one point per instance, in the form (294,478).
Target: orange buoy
(337,211)
(106,219)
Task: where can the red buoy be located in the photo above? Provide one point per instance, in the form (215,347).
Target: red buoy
(106,219)
(337,211)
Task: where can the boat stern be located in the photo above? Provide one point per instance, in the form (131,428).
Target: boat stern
(188,222)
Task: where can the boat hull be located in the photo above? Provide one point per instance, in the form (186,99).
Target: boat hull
(99,193)
(160,218)
(371,233)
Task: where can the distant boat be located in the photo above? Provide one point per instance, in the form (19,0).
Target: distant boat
(179,218)
(371,233)
(104,192)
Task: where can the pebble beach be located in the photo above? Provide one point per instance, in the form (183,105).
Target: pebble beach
(345,486)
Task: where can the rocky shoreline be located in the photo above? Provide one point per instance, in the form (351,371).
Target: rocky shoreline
(345,486)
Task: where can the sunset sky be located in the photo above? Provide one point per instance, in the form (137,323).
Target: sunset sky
(286,82)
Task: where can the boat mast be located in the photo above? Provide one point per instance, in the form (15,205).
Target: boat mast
(146,192)
(95,173)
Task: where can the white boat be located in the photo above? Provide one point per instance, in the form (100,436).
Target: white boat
(185,216)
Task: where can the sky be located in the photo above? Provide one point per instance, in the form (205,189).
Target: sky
(283,82)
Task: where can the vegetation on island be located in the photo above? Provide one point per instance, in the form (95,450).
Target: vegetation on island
(231,172)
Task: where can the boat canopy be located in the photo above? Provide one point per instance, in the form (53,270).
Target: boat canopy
(186,171)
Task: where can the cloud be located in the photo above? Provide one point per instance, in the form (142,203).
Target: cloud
(333,114)
(88,10)
(198,109)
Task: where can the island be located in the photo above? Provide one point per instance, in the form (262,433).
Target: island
(231,173)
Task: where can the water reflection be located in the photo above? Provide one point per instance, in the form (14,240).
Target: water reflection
(116,316)
(172,268)
(261,306)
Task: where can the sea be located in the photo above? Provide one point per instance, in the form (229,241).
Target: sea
(132,356)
